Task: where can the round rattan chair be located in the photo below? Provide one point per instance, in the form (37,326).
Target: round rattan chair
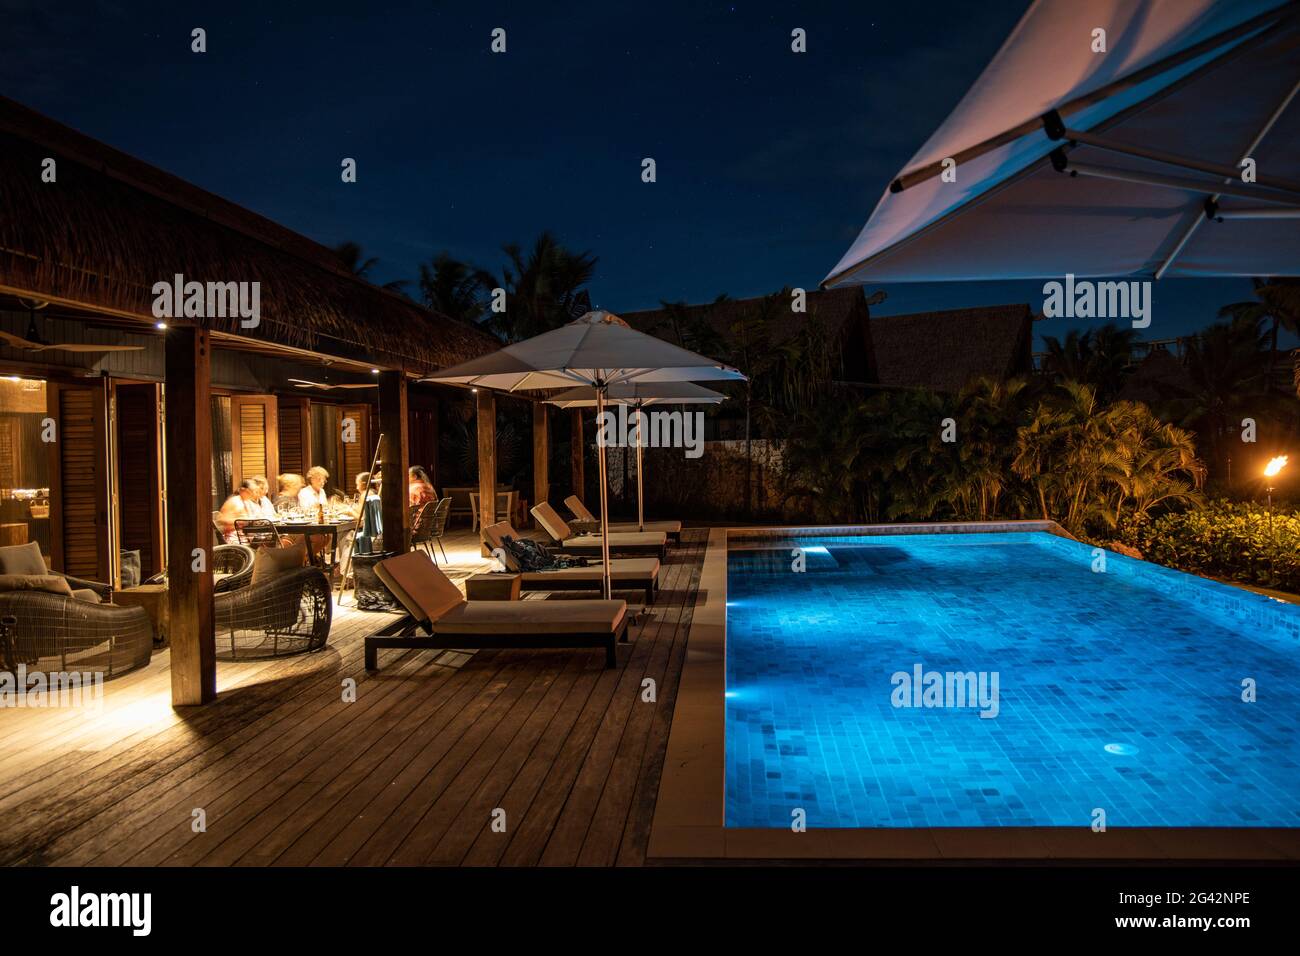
(234,562)
(56,633)
(289,613)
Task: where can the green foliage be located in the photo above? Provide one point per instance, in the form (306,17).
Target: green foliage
(1016,453)
(1233,540)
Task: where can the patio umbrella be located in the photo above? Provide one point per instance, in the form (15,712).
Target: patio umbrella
(1062,160)
(599,350)
(637,396)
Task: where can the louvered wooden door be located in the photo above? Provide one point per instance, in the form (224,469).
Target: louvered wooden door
(295,436)
(355,456)
(138,491)
(254,437)
(80,539)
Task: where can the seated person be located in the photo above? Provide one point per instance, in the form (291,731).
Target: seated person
(312,498)
(370,528)
(264,505)
(242,504)
(419,488)
(286,498)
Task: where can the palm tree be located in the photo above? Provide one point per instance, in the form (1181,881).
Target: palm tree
(1226,365)
(359,264)
(454,288)
(542,287)
(1099,357)
(1277,301)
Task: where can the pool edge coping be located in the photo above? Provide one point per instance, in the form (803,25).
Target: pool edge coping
(690,808)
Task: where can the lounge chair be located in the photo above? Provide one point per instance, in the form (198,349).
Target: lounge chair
(435,606)
(584,520)
(622,542)
(626,574)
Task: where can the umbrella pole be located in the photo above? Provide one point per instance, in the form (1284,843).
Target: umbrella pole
(606,590)
(640,490)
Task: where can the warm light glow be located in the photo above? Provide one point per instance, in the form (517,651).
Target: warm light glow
(1274,466)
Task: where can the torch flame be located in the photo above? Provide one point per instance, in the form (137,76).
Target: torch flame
(1274,466)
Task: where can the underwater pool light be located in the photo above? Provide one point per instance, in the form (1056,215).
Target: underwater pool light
(1123,750)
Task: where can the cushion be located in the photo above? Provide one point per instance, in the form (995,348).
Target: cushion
(550,519)
(596,618)
(420,585)
(618,539)
(22,559)
(52,583)
(270,562)
(87,595)
(580,511)
(621,570)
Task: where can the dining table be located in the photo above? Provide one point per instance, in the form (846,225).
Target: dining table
(312,526)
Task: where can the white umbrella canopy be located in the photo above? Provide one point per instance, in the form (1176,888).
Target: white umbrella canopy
(599,350)
(638,395)
(1124,162)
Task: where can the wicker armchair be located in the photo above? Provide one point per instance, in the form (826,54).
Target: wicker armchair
(287,614)
(235,561)
(57,633)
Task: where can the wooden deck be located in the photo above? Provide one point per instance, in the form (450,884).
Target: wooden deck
(286,773)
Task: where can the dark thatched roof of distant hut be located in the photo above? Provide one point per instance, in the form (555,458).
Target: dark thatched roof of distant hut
(112,226)
(839,312)
(1159,377)
(943,351)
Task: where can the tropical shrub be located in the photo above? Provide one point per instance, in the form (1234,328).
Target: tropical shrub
(1233,540)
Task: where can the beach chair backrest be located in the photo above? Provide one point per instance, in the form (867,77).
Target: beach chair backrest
(420,586)
(575,505)
(550,519)
(495,535)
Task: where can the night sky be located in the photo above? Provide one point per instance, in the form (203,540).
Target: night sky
(768,162)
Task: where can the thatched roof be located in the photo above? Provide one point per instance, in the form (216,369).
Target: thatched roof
(942,351)
(112,226)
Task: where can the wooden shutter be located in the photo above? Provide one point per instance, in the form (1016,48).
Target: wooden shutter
(79,533)
(355,456)
(423,429)
(295,436)
(254,437)
(138,493)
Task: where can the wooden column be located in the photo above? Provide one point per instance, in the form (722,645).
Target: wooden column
(541,452)
(487,460)
(188,410)
(576,451)
(396,456)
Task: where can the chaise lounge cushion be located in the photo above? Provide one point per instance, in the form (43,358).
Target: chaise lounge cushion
(532,617)
(640,570)
(617,539)
(584,517)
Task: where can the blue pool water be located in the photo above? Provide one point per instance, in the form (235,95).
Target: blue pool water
(1119,690)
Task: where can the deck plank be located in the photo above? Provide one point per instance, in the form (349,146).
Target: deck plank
(408,774)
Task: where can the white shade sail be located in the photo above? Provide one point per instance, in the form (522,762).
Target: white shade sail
(640,393)
(1129,161)
(597,349)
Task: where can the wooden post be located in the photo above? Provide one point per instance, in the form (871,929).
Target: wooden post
(576,451)
(396,454)
(487,461)
(541,453)
(188,409)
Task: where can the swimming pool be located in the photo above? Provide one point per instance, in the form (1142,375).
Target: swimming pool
(1117,689)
